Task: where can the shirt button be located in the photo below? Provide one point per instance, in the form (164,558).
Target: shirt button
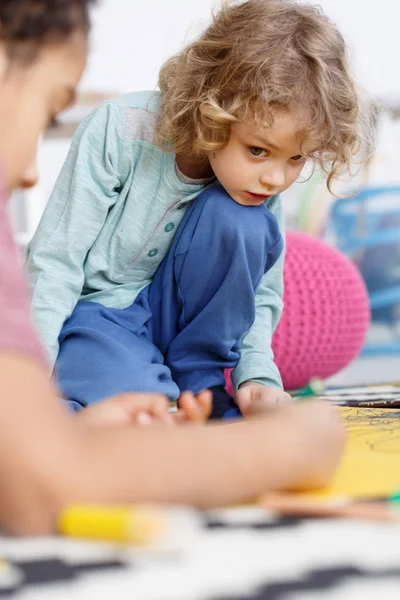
(169,227)
(153,252)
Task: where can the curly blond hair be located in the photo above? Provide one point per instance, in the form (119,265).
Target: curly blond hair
(255,57)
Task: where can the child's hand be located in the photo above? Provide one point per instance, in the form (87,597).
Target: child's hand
(193,408)
(146,409)
(254,398)
(128,409)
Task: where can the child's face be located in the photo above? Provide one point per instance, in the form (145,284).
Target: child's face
(259,163)
(31,95)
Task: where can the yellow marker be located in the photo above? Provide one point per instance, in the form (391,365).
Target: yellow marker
(139,525)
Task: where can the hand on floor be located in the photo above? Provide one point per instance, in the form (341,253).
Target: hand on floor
(126,409)
(254,398)
(146,409)
(193,408)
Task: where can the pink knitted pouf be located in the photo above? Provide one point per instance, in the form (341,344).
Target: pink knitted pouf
(326,312)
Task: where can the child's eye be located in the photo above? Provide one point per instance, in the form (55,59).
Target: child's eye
(298,158)
(256,151)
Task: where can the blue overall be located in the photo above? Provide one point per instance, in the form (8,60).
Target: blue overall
(186,327)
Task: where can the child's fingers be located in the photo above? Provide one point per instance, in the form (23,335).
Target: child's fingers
(255,401)
(204,398)
(188,405)
(130,406)
(127,408)
(285,398)
(243,399)
(159,409)
(155,404)
(192,409)
(178,417)
(143,418)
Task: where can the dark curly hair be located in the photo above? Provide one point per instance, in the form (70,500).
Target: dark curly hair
(26,25)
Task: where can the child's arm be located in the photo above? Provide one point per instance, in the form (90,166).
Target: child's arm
(87,187)
(295,447)
(256,363)
(47,460)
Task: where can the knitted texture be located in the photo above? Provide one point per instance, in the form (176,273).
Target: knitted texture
(326,312)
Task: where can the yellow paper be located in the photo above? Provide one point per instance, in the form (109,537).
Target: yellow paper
(371,463)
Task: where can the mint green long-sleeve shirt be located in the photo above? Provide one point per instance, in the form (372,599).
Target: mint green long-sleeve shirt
(110,221)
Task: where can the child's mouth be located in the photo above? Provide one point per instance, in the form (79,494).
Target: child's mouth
(259,197)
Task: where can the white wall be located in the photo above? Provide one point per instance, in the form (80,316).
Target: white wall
(131,39)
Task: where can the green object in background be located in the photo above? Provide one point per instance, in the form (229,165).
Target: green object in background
(314,388)
(395,498)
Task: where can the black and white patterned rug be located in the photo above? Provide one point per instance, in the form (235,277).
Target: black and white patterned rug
(231,554)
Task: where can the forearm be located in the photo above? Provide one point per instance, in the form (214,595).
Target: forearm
(257,360)
(39,447)
(296,446)
(47,460)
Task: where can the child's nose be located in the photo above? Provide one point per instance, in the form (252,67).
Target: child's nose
(273,177)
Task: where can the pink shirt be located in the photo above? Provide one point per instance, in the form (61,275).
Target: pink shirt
(16,332)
